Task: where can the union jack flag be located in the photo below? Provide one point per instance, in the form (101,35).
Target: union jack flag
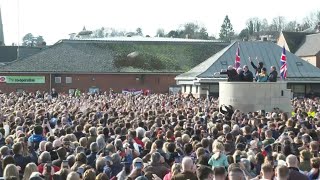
(283,63)
(237,60)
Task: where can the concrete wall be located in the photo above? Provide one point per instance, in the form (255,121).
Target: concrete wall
(249,97)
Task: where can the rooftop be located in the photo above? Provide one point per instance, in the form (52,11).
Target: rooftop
(267,52)
(148,39)
(310,46)
(105,56)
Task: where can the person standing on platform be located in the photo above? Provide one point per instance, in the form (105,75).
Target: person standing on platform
(262,77)
(232,74)
(273,74)
(259,68)
(247,75)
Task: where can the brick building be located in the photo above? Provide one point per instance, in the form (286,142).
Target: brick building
(98,65)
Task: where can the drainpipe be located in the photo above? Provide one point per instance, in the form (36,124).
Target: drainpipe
(50,85)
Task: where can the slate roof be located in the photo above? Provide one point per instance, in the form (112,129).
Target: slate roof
(267,52)
(85,56)
(310,46)
(294,39)
(149,39)
(9,53)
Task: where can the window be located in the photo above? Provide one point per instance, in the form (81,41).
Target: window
(71,91)
(190,88)
(93,90)
(197,89)
(185,88)
(57,79)
(68,80)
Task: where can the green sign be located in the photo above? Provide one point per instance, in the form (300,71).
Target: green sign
(25,79)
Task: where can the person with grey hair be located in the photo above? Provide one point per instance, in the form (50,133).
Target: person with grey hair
(116,166)
(92,136)
(101,142)
(156,166)
(293,165)
(231,72)
(247,165)
(188,170)
(247,75)
(94,148)
(73,176)
(100,164)
(45,158)
(273,74)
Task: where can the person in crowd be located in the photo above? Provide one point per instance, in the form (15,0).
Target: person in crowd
(282,172)
(257,68)
(236,173)
(175,169)
(54,93)
(204,172)
(157,166)
(19,158)
(219,173)
(266,172)
(294,172)
(37,137)
(62,153)
(305,157)
(218,158)
(30,168)
(262,76)
(188,170)
(91,158)
(11,172)
(314,172)
(273,74)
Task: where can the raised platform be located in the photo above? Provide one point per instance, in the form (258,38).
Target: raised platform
(255,96)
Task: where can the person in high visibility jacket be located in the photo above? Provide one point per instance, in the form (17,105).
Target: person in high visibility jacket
(77,93)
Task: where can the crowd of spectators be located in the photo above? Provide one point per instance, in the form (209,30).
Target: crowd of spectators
(117,136)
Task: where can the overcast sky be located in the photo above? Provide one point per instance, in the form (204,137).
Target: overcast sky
(55,19)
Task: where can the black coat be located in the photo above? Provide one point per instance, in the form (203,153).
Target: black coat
(258,69)
(232,75)
(247,76)
(273,76)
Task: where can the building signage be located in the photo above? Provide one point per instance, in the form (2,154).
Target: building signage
(2,79)
(23,79)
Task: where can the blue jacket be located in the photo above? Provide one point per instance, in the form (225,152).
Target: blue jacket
(91,159)
(36,138)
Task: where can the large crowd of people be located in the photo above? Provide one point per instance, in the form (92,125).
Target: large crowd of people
(158,137)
